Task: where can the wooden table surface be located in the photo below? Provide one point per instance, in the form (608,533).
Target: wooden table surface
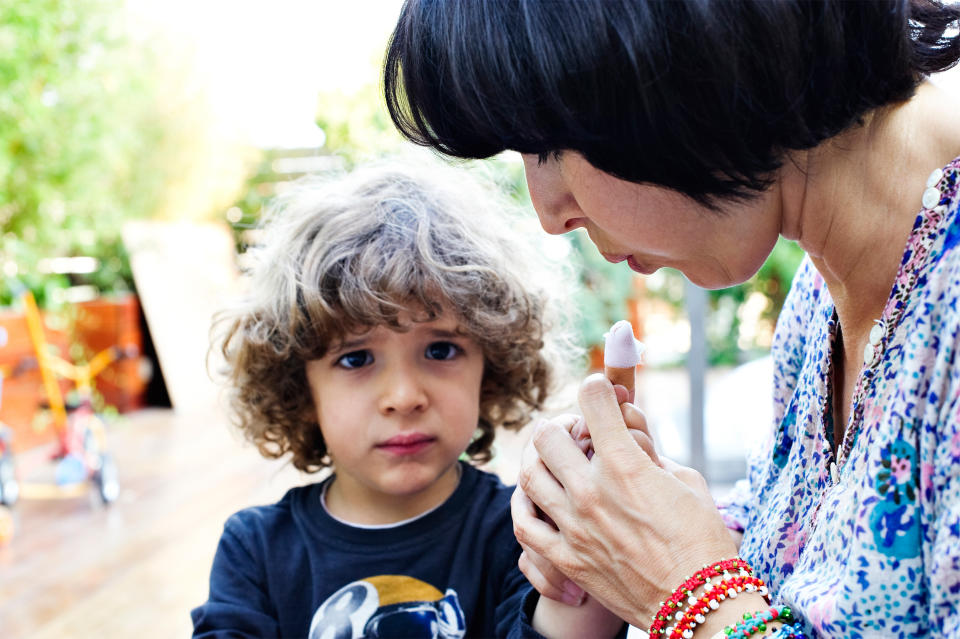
(76,568)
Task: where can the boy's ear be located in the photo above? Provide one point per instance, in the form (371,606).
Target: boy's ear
(309,413)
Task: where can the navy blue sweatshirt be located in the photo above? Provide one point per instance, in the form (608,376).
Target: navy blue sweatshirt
(292,570)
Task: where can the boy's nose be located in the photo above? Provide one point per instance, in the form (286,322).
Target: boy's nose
(402,393)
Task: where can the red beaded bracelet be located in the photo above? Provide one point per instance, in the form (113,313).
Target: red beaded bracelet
(702,576)
(710,600)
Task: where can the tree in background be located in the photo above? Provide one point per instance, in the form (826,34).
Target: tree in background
(84,142)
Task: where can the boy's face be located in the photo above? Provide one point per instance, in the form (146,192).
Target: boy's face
(396,411)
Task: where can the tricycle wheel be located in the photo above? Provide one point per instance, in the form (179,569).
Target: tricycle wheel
(9,487)
(107,480)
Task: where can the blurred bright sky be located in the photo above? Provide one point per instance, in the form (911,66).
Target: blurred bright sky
(262,63)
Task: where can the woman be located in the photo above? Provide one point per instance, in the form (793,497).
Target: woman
(691,135)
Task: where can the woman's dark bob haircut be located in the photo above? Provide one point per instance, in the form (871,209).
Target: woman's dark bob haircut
(704,97)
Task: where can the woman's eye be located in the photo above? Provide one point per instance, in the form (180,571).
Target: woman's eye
(443,350)
(355,359)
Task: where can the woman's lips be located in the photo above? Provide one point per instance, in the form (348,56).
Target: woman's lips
(406,443)
(631,262)
(640,268)
(614,259)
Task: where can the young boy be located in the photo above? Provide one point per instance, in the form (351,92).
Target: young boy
(389,329)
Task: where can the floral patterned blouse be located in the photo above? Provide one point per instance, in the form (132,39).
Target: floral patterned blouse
(866,543)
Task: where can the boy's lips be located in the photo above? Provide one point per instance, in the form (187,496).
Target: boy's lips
(406,443)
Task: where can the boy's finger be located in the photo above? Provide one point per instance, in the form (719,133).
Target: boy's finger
(637,423)
(568,421)
(623,393)
(549,581)
(643,440)
(626,392)
(579,430)
(635,418)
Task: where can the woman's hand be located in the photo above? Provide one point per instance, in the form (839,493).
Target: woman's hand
(620,526)
(543,575)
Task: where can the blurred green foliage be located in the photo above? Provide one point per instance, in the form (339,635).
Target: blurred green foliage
(81,141)
(772,281)
(357,125)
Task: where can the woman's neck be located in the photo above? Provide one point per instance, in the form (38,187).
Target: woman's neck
(851,202)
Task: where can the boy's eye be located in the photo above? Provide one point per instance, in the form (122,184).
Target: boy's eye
(443,350)
(355,359)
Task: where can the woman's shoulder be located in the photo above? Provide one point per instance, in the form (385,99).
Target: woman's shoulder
(937,286)
(927,334)
(947,256)
(808,289)
(807,299)
(808,304)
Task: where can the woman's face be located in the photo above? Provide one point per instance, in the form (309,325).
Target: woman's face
(652,227)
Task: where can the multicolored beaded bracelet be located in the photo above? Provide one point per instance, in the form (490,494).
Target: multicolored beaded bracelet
(668,608)
(710,600)
(757,622)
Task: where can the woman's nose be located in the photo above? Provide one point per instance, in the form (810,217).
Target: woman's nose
(555,205)
(402,392)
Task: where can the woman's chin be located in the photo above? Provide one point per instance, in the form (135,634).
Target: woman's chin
(715,281)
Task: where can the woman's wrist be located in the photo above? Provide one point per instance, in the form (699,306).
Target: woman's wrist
(722,599)
(700,593)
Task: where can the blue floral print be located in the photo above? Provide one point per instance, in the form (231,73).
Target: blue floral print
(863,539)
(894,519)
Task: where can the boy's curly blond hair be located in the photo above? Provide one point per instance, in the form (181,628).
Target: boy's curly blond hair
(345,255)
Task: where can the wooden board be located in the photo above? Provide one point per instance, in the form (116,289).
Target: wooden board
(184,273)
